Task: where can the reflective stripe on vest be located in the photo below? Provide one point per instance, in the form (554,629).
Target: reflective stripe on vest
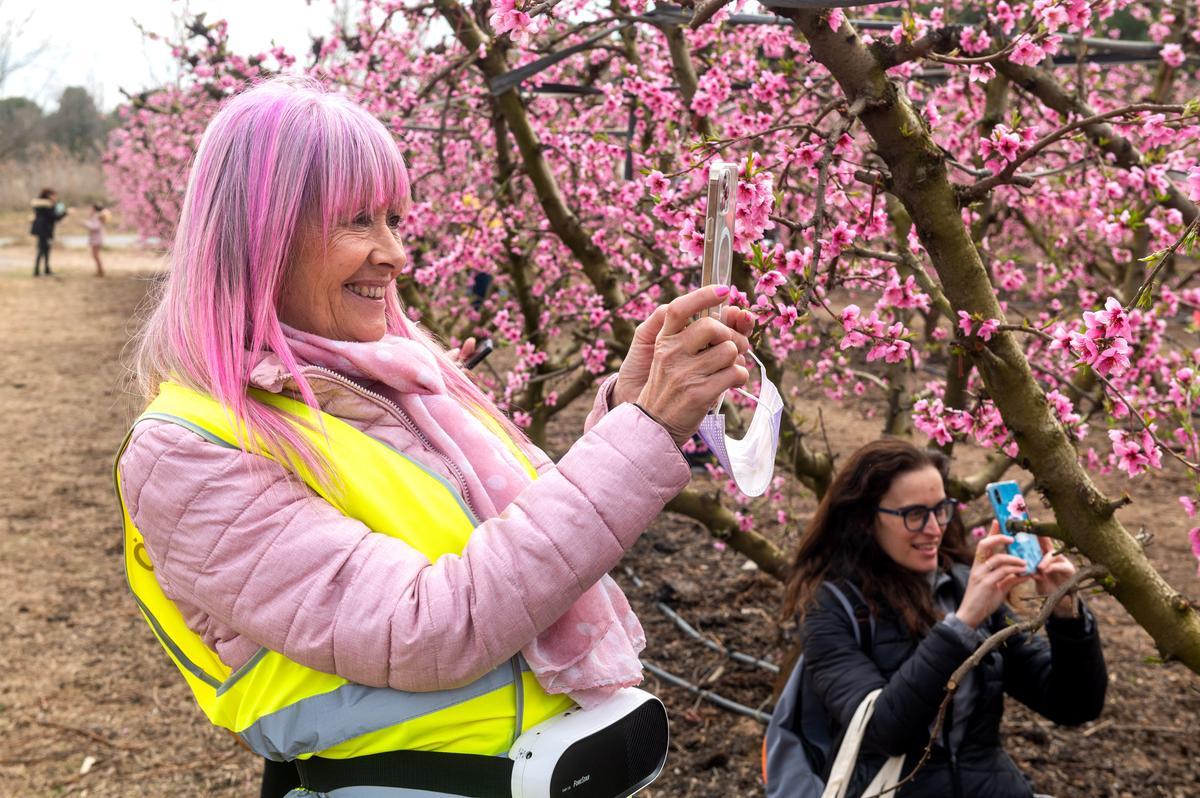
(284,710)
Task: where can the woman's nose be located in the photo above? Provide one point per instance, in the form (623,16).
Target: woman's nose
(389,251)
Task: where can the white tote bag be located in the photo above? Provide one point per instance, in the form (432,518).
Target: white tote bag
(843,765)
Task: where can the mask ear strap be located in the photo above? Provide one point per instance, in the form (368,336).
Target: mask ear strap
(762,372)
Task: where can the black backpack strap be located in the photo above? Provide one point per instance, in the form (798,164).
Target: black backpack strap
(855,605)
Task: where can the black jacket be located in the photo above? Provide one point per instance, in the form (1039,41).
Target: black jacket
(1063,679)
(45,216)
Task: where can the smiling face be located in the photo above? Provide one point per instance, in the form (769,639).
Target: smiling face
(916,551)
(335,287)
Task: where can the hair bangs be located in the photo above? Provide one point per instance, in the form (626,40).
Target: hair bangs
(358,168)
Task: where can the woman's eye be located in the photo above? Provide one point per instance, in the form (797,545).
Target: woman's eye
(363,220)
(394,221)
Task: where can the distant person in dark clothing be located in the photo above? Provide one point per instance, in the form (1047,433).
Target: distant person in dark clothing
(47,212)
(886,529)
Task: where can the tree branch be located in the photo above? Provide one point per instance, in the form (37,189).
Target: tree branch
(723,525)
(561,217)
(919,178)
(970,194)
(1042,84)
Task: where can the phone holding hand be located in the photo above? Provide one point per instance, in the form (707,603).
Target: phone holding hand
(1009,505)
(482,350)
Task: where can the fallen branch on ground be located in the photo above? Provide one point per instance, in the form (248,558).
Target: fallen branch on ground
(707,695)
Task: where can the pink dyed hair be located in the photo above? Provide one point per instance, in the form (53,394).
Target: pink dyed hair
(280,155)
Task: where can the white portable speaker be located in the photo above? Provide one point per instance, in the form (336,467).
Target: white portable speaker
(611,751)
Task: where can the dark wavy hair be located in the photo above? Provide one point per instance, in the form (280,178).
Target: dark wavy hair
(839,541)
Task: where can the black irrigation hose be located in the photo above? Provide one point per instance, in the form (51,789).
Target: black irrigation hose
(707,695)
(691,632)
(679,682)
(737,656)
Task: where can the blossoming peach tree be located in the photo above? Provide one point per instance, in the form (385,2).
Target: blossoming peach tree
(972,217)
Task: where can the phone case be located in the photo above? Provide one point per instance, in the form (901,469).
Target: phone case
(719,215)
(1026,546)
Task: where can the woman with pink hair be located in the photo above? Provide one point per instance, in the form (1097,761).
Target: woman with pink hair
(360,566)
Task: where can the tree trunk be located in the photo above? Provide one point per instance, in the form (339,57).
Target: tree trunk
(920,181)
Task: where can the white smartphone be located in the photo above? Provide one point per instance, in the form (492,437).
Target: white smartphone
(717,266)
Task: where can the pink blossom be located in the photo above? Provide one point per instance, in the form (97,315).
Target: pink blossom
(981,73)
(1026,53)
(657,183)
(1189,506)
(787,317)
(850,316)
(1114,359)
(841,236)
(964,322)
(1173,55)
(987,328)
(1128,453)
(1114,319)
(853,339)
(769,283)
(1193,184)
(507,17)
(1017,508)
(1004,16)
(1079,12)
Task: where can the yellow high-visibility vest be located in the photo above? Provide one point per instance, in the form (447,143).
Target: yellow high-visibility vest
(284,710)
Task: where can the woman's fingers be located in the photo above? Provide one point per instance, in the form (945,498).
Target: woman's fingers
(649,329)
(466,350)
(1004,561)
(717,358)
(1011,580)
(706,332)
(740,320)
(681,310)
(991,544)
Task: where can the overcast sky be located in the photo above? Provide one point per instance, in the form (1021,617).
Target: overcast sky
(96,45)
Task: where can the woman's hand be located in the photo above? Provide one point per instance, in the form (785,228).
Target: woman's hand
(993,574)
(463,353)
(1052,572)
(635,368)
(694,363)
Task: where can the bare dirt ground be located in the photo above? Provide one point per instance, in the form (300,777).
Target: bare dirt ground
(89,705)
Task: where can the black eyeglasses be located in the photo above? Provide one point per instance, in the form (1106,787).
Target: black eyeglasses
(916,516)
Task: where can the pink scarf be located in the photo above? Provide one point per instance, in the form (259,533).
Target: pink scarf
(592,650)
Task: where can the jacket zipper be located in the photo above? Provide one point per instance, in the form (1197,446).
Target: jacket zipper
(954,776)
(407,421)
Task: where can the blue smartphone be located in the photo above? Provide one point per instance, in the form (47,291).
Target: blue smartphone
(1003,496)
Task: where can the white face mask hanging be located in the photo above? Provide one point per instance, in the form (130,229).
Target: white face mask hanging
(751,460)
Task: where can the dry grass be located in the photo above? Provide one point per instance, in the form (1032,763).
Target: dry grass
(77,182)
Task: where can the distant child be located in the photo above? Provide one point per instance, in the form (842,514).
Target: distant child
(95,225)
(47,212)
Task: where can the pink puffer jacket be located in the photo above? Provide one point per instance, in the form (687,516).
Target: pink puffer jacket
(254,558)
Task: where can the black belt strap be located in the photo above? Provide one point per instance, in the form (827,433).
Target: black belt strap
(468,775)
